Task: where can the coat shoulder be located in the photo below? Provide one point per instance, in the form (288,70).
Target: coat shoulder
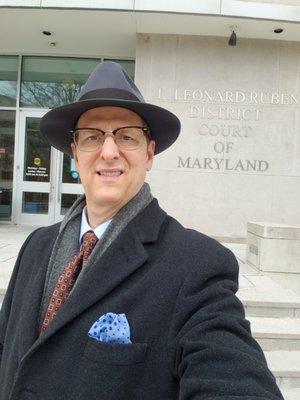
(50,230)
(190,239)
(42,236)
(193,247)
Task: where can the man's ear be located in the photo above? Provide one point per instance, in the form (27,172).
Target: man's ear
(74,152)
(150,154)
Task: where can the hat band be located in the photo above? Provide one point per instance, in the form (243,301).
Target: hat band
(114,94)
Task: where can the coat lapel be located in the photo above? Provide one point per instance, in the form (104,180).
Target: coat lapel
(125,255)
(30,311)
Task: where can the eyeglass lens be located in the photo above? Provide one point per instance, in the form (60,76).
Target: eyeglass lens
(128,138)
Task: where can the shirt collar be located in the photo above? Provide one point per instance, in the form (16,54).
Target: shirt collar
(85,227)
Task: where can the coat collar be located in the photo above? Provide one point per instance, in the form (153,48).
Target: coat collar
(125,255)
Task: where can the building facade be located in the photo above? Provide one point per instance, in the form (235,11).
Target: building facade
(237,158)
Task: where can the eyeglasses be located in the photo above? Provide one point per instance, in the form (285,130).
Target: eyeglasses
(126,137)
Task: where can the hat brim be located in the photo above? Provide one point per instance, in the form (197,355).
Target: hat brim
(56,124)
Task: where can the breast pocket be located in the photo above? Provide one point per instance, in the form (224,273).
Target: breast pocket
(115,354)
(111,371)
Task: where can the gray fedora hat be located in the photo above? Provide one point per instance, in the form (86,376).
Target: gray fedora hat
(109,85)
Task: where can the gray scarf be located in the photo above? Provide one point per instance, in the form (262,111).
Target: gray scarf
(67,241)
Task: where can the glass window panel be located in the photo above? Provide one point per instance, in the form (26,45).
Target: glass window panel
(67,201)
(35,203)
(37,153)
(128,65)
(7,139)
(8,80)
(70,174)
(49,82)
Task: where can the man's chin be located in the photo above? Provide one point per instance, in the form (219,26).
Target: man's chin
(109,199)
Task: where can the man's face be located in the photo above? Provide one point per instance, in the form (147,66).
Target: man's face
(111,177)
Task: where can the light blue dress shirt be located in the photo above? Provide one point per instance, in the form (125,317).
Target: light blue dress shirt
(85,227)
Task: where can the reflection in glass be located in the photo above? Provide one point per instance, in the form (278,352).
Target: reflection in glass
(8,80)
(37,153)
(53,81)
(49,82)
(70,174)
(35,203)
(7,136)
(66,202)
(128,65)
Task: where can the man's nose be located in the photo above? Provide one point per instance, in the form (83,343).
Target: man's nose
(109,149)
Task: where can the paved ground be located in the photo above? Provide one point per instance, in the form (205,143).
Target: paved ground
(11,239)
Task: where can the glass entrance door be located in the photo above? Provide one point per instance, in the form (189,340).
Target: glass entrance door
(7,137)
(47,182)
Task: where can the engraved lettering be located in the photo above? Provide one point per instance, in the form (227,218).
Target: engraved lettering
(251,165)
(207,162)
(239,166)
(210,113)
(218,162)
(204,130)
(263,165)
(219,147)
(229,146)
(196,163)
(214,130)
(197,95)
(220,97)
(240,97)
(229,165)
(187,94)
(294,99)
(208,97)
(275,98)
(185,164)
(194,112)
(226,165)
(228,97)
(253,97)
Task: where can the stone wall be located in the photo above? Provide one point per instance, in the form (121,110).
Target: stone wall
(238,156)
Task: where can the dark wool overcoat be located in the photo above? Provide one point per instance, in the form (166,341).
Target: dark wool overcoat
(190,339)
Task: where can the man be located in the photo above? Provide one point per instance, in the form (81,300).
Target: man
(120,301)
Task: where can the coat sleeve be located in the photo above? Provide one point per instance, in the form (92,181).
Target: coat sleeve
(211,351)
(9,295)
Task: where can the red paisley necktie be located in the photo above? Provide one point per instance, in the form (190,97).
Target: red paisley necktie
(68,278)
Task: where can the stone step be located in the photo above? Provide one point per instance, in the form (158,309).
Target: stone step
(276,333)
(291,394)
(285,366)
(262,297)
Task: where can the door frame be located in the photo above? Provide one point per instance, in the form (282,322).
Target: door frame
(54,187)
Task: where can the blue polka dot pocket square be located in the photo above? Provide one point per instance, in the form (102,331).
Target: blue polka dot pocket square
(111,328)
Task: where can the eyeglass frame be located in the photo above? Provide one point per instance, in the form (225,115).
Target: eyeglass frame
(145,130)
